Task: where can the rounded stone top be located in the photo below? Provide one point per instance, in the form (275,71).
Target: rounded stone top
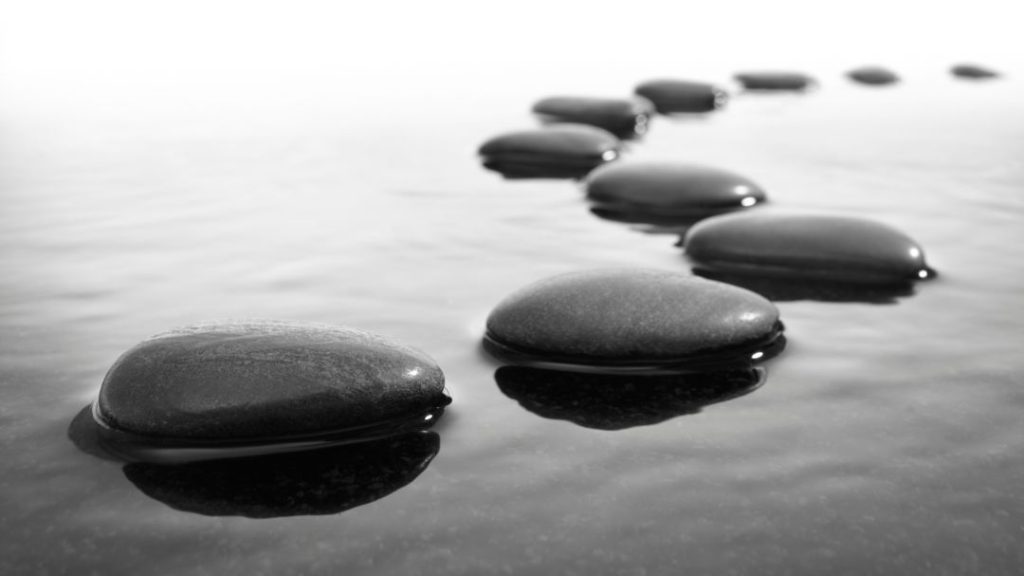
(811,246)
(629,318)
(973,71)
(623,117)
(670,96)
(774,80)
(260,380)
(568,150)
(873,75)
(670,189)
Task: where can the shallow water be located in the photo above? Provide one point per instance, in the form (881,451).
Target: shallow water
(886,439)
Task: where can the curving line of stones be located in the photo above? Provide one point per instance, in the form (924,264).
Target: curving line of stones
(631,346)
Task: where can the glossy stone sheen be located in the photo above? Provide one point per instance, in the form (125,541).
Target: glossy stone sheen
(973,71)
(664,191)
(669,96)
(261,380)
(627,317)
(873,75)
(562,150)
(810,246)
(774,80)
(623,117)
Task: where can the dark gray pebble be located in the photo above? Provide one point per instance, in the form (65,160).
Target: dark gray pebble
(558,151)
(873,76)
(770,81)
(973,71)
(671,96)
(623,117)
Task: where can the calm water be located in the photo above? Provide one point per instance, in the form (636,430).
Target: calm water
(887,438)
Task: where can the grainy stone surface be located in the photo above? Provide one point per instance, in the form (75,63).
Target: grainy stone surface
(873,75)
(558,151)
(812,246)
(623,316)
(774,80)
(671,96)
(664,191)
(264,379)
(623,117)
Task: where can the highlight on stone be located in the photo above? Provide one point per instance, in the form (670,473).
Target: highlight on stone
(633,320)
(775,81)
(623,117)
(802,246)
(557,151)
(668,192)
(241,388)
(674,96)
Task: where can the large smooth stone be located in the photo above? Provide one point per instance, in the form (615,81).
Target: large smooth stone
(774,80)
(264,381)
(660,193)
(973,71)
(631,319)
(625,118)
(873,75)
(671,96)
(805,246)
(559,151)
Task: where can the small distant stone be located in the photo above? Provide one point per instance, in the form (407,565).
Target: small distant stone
(833,248)
(623,117)
(873,75)
(973,71)
(671,96)
(558,151)
(631,319)
(662,192)
(781,81)
(263,381)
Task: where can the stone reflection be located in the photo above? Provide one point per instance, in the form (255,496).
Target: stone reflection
(788,289)
(325,481)
(619,401)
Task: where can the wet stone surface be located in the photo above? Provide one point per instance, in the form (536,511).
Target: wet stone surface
(973,71)
(799,246)
(668,193)
(642,320)
(623,117)
(262,382)
(672,96)
(770,81)
(557,151)
(873,76)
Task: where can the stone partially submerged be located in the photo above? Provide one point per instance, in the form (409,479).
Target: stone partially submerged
(623,117)
(558,151)
(254,387)
(685,96)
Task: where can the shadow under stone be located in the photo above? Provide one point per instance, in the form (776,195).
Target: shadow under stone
(616,402)
(778,289)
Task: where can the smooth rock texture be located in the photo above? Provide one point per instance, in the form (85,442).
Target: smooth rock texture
(558,151)
(774,80)
(625,118)
(631,319)
(671,96)
(873,76)
(260,381)
(805,246)
(663,192)
(973,71)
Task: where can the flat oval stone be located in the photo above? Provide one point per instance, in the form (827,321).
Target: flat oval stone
(625,118)
(805,246)
(973,71)
(670,96)
(663,192)
(774,80)
(261,381)
(559,151)
(632,320)
(873,75)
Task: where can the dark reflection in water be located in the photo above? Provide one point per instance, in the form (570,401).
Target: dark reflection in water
(325,481)
(616,402)
(676,223)
(782,289)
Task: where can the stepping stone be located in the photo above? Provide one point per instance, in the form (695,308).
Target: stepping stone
(778,245)
(632,320)
(671,96)
(625,118)
(559,151)
(973,71)
(873,76)
(772,81)
(616,401)
(253,387)
(668,193)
